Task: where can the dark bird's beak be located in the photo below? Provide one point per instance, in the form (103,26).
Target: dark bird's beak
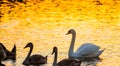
(25,47)
(67,33)
(52,53)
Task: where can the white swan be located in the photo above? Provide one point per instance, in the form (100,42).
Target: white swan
(85,50)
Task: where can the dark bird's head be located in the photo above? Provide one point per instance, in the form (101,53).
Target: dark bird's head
(29,45)
(54,50)
(71,31)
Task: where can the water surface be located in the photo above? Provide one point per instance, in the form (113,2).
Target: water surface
(46,23)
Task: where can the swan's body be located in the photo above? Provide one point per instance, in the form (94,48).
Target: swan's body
(9,54)
(64,62)
(2,55)
(85,50)
(35,59)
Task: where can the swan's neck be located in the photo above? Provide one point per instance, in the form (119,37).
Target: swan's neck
(71,49)
(30,51)
(55,59)
(14,49)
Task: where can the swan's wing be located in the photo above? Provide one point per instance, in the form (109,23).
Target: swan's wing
(68,62)
(37,59)
(86,49)
(98,53)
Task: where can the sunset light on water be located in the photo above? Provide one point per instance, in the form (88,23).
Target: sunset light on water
(45,23)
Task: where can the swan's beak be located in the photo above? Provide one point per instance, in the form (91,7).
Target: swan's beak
(67,33)
(25,47)
(52,53)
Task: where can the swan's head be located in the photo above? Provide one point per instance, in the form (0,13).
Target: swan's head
(54,50)
(29,45)
(71,31)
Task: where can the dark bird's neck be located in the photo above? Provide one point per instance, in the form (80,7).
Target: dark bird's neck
(30,51)
(55,58)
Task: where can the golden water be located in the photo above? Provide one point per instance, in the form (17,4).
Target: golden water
(45,23)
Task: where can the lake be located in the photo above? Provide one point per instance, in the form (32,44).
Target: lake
(45,23)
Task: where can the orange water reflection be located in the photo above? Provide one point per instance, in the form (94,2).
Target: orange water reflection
(46,23)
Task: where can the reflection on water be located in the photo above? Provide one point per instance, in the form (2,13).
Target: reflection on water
(46,23)
(110,54)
